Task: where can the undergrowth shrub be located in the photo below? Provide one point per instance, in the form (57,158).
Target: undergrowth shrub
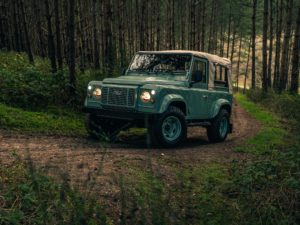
(35,87)
(269,187)
(284,104)
(27,197)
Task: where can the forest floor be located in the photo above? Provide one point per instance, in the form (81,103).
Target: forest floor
(94,168)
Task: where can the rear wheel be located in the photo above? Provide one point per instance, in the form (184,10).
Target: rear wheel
(220,127)
(170,128)
(102,128)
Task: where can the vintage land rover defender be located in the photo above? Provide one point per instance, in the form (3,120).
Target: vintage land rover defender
(165,91)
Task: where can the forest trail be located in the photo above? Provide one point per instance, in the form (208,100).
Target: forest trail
(95,168)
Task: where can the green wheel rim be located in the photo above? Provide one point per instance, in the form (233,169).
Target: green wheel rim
(223,127)
(171,128)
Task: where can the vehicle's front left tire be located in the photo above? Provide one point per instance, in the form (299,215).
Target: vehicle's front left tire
(169,129)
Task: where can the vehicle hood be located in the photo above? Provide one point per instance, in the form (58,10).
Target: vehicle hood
(142,80)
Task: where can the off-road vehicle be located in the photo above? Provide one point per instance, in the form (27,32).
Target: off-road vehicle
(165,91)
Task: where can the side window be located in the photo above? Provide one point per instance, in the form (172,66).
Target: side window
(221,76)
(199,71)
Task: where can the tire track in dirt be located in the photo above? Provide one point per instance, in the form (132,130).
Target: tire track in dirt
(91,165)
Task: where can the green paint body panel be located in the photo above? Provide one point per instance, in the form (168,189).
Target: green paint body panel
(201,102)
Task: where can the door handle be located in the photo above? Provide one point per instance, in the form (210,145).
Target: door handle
(204,96)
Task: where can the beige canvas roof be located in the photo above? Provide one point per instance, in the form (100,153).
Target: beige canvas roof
(213,58)
(213,61)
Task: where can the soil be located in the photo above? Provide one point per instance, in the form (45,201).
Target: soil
(94,167)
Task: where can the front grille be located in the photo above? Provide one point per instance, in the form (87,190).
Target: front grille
(115,96)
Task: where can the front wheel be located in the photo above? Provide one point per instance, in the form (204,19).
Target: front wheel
(218,130)
(170,128)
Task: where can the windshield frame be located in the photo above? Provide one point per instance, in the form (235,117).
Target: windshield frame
(186,74)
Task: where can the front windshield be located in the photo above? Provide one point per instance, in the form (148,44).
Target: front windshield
(170,64)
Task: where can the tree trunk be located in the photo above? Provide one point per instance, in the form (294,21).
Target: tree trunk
(158,28)
(142,29)
(279,10)
(36,10)
(238,64)
(28,45)
(222,37)
(296,51)
(72,73)
(121,33)
(173,25)
(109,48)
(183,25)
(253,43)
(2,25)
(203,27)
(285,48)
(58,36)
(95,39)
(51,47)
(229,29)
(265,38)
(20,27)
(16,28)
(192,25)
(247,66)
(233,44)
(271,46)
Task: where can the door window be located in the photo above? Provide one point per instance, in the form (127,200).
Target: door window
(199,71)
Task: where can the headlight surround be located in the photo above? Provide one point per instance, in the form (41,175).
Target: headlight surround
(97,92)
(148,96)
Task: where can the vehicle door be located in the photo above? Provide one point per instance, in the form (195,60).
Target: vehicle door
(199,99)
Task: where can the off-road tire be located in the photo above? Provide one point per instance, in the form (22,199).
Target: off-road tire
(214,133)
(158,124)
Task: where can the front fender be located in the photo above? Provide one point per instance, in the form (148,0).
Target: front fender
(218,105)
(168,99)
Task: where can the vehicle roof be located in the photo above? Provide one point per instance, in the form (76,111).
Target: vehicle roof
(210,57)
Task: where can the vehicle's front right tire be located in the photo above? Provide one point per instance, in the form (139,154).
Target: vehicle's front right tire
(169,129)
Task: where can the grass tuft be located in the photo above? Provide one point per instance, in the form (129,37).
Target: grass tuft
(56,121)
(270,137)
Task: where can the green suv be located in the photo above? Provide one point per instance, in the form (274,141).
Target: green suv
(165,91)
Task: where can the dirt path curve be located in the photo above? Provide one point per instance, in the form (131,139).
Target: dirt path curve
(84,159)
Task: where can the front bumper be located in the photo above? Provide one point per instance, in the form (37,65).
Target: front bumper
(116,113)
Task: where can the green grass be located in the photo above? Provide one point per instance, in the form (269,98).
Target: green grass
(261,190)
(55,121)
(202,192)
(272,134)
(27,197)
(197,194)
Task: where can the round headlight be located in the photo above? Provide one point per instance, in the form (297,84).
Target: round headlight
(146,96)
(97,93)
(90,87)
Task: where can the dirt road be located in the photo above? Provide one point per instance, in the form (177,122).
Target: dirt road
(85,160)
